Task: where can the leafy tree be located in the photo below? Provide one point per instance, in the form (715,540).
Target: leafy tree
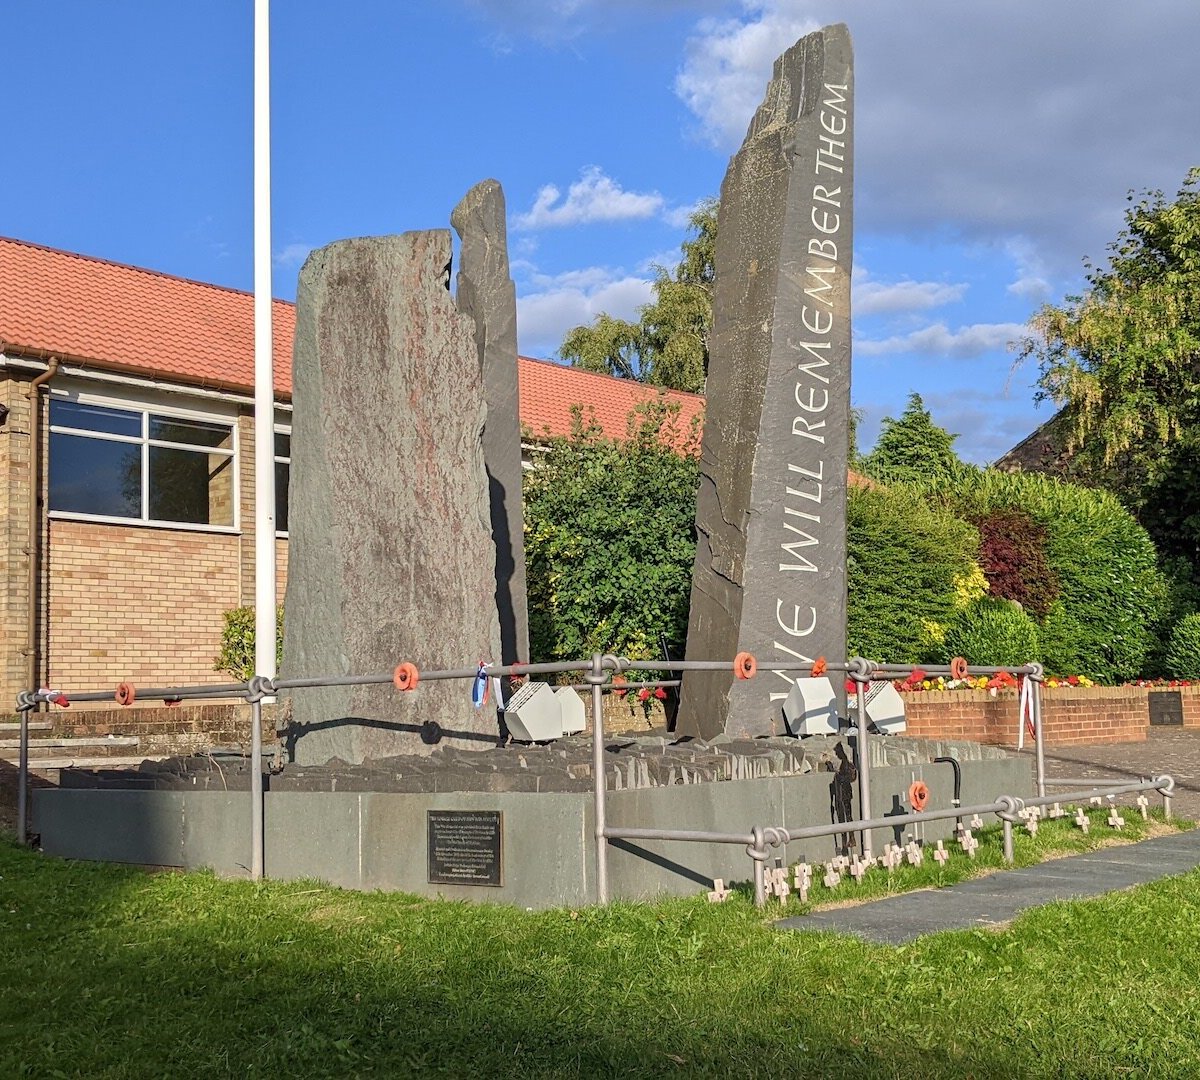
(1123,360)
(668,346)
(912,448)
(610,537)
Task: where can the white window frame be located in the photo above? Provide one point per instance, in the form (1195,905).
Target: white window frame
(163,405)
(283,429)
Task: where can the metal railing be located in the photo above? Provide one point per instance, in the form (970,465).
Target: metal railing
(598,678)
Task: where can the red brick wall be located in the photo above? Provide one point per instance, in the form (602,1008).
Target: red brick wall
(1096,714)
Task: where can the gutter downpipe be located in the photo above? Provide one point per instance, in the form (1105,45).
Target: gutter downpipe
(33,549)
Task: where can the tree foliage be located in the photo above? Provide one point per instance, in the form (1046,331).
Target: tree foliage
(912,448)
(610,537)
(1123,360)
(668,346)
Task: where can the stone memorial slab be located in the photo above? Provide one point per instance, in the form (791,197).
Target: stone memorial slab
(391,556)
(486,293)
(770,575)
(1166,708)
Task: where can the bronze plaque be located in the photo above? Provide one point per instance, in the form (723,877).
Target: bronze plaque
(466,847)
(1166,707)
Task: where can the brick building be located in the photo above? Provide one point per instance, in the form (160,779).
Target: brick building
(138,390)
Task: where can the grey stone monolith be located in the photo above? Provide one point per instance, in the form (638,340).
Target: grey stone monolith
(486,293)
(770,571)
(390,549)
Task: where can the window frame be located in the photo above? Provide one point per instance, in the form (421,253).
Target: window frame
(282,429)
(147,405)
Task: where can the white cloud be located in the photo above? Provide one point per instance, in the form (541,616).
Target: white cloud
(291,256)
(593,197)
(1031,283)
(940,341)
(974,123)
(573,299)
(881,298)
(727,65)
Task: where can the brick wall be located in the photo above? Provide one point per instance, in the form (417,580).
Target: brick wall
(1096,714)
(136,603)
(117,601)
(14,527)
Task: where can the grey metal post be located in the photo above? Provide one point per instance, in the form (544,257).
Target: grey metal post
(1166,805)
(1008,841)
(23,781)
(256,792)
(864,767)
(758,849)
(600,787)
(1037,733)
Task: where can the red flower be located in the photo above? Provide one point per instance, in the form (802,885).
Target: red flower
(1073,680)
(643,694)
(660,693)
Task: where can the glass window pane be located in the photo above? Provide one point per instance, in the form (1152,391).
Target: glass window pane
(95,476)
(283,445)
(192,487)
(194,432)
(282,469)
(65,413)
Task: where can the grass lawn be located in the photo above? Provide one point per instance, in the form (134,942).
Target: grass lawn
(108,971)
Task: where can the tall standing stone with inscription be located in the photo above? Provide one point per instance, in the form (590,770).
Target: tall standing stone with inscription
(487,294)
(390,546)
(770,574)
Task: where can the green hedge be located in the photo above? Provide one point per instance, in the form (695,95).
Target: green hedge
(994,633)
(910,569)
(1112,596)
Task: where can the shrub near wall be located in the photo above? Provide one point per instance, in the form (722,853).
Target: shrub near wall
(1112,596)
(909,570)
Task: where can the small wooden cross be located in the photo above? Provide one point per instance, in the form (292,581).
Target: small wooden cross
(1056,811)
(915,855)
(719,893)
(832,878)
(941,854)
(1143,804)
(858,869)
(976,822)
(1115,819)
(968,842)
(1081,819)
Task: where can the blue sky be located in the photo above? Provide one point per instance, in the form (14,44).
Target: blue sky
(995,145)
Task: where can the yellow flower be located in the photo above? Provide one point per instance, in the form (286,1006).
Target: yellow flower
(970,586)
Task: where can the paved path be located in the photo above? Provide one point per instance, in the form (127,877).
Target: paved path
(997,898)
(1170,750)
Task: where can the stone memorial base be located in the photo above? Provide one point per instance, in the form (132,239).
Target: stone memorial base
(455,823)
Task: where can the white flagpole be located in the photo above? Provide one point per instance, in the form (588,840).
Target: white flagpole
(264,414)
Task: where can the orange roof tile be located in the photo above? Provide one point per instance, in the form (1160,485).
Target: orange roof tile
(548,390)
(91,312)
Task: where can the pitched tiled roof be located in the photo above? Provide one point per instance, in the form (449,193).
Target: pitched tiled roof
(548,390)
(106,315)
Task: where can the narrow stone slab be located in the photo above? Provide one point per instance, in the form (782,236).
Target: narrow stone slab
(770,570)
(390,549)
(488,295)
(998,898)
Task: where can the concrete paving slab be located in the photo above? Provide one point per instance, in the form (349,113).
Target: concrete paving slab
(997,898)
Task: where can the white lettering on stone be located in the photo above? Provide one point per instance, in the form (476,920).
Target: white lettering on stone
(794,630)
